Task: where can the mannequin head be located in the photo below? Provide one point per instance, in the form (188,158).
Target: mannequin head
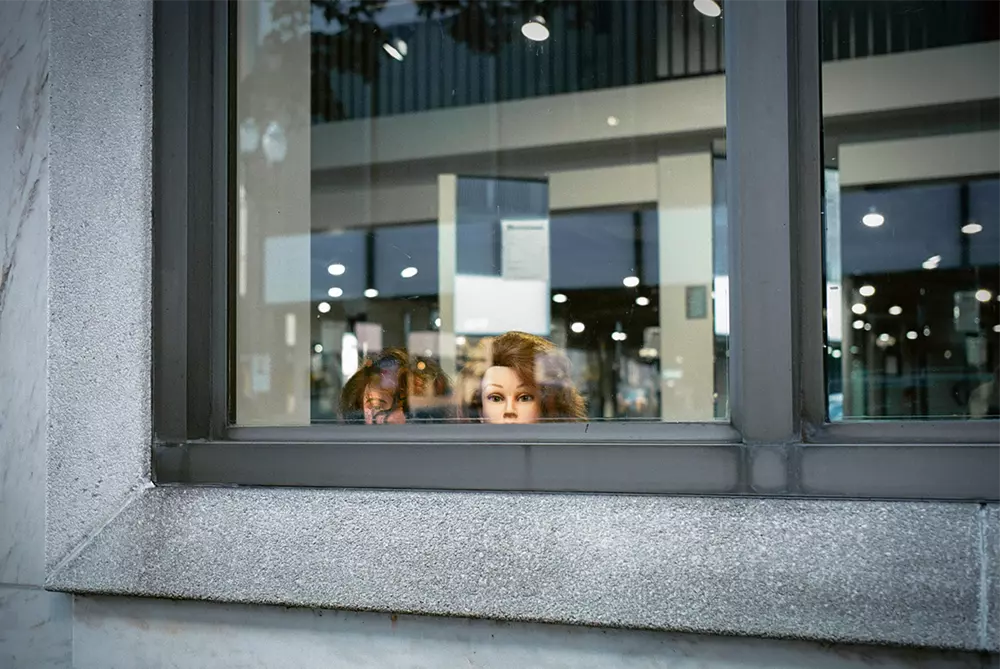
(379,390)
(391,387)
(519,378)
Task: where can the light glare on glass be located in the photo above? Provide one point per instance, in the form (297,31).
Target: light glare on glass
(577,327)
(535,30)
(867,290)
(642,301)
(559,298)
(408,272)
(984,295)
(895,310)
(336,269)
(859,308)
(631,281)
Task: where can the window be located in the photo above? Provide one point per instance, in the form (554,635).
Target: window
(406,183)
(912,222)
(416,179)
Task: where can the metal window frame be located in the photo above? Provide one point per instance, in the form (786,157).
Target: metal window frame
(778,442)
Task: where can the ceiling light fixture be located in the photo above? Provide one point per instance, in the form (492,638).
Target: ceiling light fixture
(577,327)
(324,307)
(559,298)
(972,228)
(873,219)
(336,269)
(931,263)
(371,292)
(535,29)
(858,325)
(867,290)
(709,8)
(912,334)
(613,121)
(408,272)
(619,336)
(396,48)
(335,292)
(859,308)
(895,310)
(984,295)
(642,301)
(631,281)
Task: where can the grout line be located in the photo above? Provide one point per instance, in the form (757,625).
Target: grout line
(984,584)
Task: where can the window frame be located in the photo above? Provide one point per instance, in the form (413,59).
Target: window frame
(778,442)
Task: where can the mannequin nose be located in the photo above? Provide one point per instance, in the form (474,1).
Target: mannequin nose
(511,408)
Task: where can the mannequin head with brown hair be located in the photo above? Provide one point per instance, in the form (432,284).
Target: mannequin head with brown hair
(389,387)
(379,389)
(519,378)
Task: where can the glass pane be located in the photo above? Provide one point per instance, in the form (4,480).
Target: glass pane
(912,218)
(479,212)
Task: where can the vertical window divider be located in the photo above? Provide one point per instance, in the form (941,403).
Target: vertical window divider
(773,155)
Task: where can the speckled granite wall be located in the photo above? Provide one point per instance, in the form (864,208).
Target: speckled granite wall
(35,625)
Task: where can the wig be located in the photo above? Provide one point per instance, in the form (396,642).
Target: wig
(536,361)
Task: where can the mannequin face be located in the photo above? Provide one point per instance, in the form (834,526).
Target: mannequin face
(378,403)
(507,399)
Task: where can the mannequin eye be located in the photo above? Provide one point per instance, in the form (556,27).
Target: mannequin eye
(494,397)
(526,398)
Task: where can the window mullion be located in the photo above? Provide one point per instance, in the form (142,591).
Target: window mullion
(771,178)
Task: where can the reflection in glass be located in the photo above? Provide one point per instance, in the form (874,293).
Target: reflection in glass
(416,179)
(912,216)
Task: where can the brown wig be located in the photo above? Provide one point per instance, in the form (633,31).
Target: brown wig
(389,370)
(392,370)
(536,361)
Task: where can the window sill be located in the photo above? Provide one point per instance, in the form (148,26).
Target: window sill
(839,571)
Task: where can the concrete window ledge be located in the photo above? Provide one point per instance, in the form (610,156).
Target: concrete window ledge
(845,571)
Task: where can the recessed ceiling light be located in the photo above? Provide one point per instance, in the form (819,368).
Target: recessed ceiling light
(931,263)
(613,121)
(912,334)
(984,295)
(858,325)
(324,307)
(996,328)
(318,348)
(408,272)
(836,353)
(559,298)
(972,228)
(895,310)
(868,327)
(709,8)
(642,301)
(873,219)
(577,327)
(335,292)
(631,281)
(437,322)
(859,308)
(535,30)
(867,290)
(619,336)
(336,269)
(371,292)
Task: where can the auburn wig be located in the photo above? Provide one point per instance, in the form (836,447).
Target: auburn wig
(536,361)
